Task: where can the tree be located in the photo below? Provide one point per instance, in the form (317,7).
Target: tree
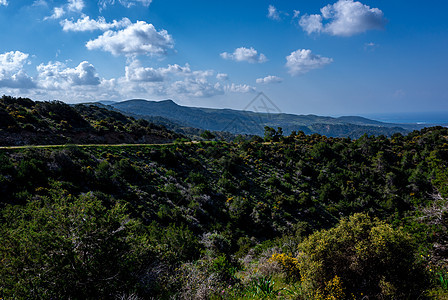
(206,134)
(271,135)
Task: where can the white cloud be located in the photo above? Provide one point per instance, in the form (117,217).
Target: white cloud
(345,18)
(12,61)
(139,38)
(11,70)
(303,61)
(57,76)
(58,12)
(196,87)
(178,70)
(222,76)
(75,5)
(135,72)
(269,79)
(87,24)
(19,80)
(4,2)
(143,74)
(311,23)
(273,13)
(239,88)
(245,54)
(296,14)
(126,3)
(173,80)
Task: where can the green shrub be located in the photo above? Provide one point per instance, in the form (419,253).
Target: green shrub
(65,247)
(369,257)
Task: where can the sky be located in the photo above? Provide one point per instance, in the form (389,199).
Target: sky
(334,58)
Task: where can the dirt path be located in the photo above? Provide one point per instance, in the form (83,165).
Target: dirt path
(92,145)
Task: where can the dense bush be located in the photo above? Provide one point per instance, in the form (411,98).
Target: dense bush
(368,257)
(70,247)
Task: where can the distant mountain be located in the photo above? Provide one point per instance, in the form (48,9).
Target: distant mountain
(107,102)
(248,122)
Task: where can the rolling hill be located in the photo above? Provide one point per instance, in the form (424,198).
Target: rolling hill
(26,122)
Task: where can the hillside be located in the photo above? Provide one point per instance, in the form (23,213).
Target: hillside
(226,220)
(248,122)
(25,122)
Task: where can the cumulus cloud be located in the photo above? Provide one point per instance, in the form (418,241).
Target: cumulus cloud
(196,87)
(269,79)
(303,61)
(311,23)
(126,3)
(11,70)
(58,12)
(239,88)
(179,70)
(245,54)
(273,13)
(87,24)
(57,76)
(344,18)
(74,6)
(4,2)
(135,72)
(222,76)
(143,74)
(12,61)
(173,80)
(139,38)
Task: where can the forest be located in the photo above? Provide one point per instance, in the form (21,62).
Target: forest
(274,217)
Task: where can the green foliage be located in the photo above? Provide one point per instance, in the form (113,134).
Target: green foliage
(69,247)
(263,287)
(443,279)
(368,255)
(272,135)
(174,243)
(206,134)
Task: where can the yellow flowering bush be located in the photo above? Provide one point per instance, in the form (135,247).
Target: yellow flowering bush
(289,264)
(333,290)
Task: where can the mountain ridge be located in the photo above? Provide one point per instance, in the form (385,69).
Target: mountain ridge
(250,122)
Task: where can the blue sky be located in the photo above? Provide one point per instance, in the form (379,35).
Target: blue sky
(321,57)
